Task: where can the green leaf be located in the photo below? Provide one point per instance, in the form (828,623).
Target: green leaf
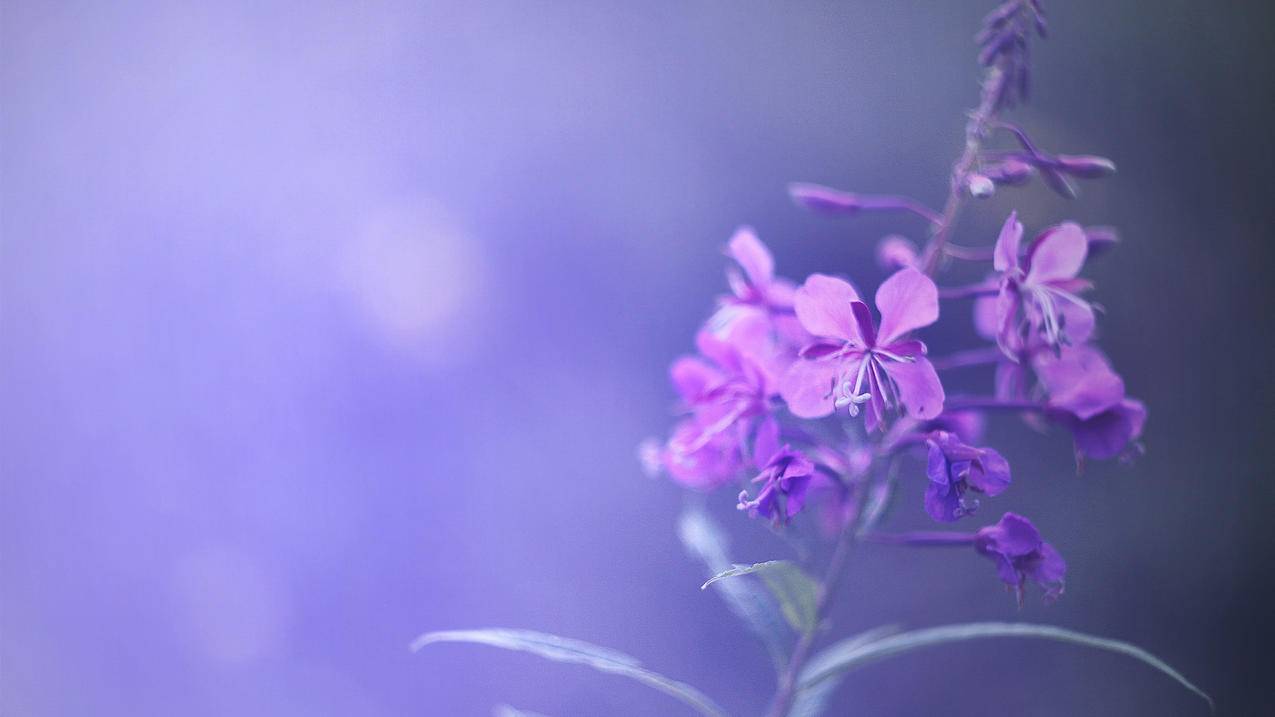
(847,655)
(561,649)
(749,601)
(797,592)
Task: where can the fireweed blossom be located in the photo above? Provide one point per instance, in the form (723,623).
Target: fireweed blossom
(757,285)
(769,403)
(954,469)
(852,363)
(1021,556)
(784,478)
(1039,292)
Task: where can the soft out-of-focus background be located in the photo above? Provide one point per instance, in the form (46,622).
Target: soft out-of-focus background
(322,325)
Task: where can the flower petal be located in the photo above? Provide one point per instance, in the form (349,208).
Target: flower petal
(1057,254)
(907,300)
(693,377)
(1079,381)
(1005,255)
(986,317)
(1107,434)
(1013,535)
(920,390)
(807,388)
(994,478)
(823,307)
(753,256)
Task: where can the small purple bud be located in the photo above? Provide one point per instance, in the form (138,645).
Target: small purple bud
(980,186)
(825,199)
(895,252)
(1086,166)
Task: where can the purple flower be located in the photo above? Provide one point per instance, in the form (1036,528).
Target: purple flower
(724,391)
(757,285)
(1088,396)
(785,476)
(758,314)
(854,363)
(1039,292)
(955,468)
(1015,545)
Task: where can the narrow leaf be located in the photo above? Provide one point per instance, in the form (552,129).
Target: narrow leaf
(797,592)
(851,654)
(561,649)
(749,601)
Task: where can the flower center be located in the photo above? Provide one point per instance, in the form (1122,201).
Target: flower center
(1048,301)
(871,379)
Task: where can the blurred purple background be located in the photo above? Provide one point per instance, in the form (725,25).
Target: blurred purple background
(324,325)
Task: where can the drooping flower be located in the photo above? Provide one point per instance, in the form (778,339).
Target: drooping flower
(1039,292)
(955,468)
(1020,554)
(784,478)
(1088,396)
(852,363)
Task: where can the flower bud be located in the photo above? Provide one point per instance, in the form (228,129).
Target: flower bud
(895,252)
(1085,166)
(825,199)
(980,186)
(1101,239)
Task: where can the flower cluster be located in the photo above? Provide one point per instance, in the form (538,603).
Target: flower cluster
(809,397)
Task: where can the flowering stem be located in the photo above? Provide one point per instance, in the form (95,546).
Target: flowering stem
(975,132)
(787,689)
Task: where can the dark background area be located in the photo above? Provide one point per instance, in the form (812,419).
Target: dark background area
(322,326)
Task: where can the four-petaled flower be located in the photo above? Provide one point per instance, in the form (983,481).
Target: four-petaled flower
(955,468)
(1020,554)
(854,363)
(1039,292)
(785,476)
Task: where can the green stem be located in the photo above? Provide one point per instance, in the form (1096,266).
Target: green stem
(787,689)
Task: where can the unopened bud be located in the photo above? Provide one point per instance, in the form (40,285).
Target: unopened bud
(1086,166)
(980,186)
(896,252)
(825,199)
(1101,239)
